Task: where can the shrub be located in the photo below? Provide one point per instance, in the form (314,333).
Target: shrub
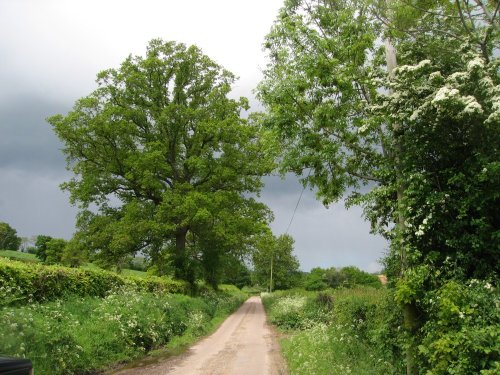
(461,334)
(346,331)
(84,334)
(293,310)
(37,282)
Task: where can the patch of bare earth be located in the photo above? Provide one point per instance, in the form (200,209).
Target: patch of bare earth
(243,345)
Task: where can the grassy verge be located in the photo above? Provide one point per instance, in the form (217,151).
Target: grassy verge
(86,334)
(337,332)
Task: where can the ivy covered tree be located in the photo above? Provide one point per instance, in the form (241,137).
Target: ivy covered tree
(161,150)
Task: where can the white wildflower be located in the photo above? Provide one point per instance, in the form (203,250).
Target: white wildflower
(413,68)
(435,76)
(415,115)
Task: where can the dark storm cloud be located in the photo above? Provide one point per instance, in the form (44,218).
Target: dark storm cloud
(324,237)
(33,204)
(27,141)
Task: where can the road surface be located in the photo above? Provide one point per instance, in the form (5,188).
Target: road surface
(243,345)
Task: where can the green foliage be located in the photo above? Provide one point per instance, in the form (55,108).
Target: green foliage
(41,246)
(163,139)
(295,310)
(276,254)
(236,272)
(22,282)
(317,89)
(355,277)
(421,126)
(346,277)
(9,240)
(451,126)
(84,335)
(316,279)
(74,253)
(462,333)
(54,249)
(342,331)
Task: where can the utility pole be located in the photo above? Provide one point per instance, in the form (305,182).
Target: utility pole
(271,278)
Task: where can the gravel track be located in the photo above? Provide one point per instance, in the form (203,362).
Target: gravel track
(243,345)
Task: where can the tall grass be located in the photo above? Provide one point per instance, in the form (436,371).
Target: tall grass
(338,332)
(82,335)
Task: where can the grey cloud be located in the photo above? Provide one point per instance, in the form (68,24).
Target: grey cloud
(324,237)
(27,141)
(33,204)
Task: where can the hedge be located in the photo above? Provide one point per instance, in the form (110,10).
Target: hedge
(29,282)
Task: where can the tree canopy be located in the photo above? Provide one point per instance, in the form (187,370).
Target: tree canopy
(395,104)
(9,240)
(164,154)
(275,265)
(344,109)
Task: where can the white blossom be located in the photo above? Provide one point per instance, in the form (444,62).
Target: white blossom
(363,129)
(472,106)
(412,68)
(476,63)
(445,93)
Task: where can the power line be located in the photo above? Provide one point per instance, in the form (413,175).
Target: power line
(298,202)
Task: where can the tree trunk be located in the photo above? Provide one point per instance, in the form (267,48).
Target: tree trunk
(410,314)
(180,261)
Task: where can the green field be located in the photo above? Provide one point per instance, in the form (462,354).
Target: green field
(27,257)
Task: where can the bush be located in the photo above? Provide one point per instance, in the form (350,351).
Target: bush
(316,280)
(347,277)
(462,332)
(22,282)
(346,331)
(85,334)
(295,310)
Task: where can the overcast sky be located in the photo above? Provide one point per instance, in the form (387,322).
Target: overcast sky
(50,52)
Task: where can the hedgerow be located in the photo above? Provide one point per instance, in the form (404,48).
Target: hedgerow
(338,331)
(23,283)
(81,335)
(360,331)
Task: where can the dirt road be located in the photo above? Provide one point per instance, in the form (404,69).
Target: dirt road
(243,345)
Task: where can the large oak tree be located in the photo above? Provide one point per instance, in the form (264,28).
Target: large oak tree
(164,154)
